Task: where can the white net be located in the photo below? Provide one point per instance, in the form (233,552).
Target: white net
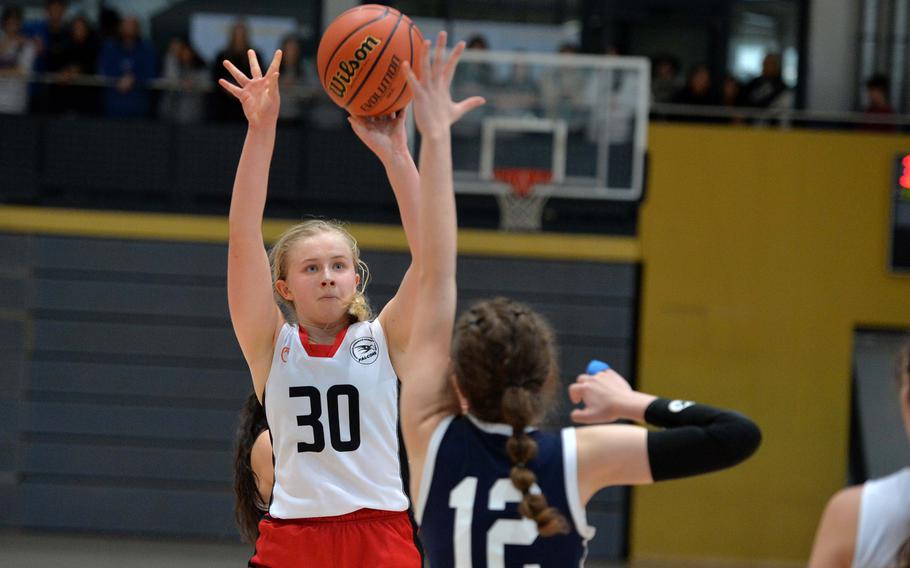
(521,212)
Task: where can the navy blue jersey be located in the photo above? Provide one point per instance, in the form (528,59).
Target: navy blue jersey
(468,507)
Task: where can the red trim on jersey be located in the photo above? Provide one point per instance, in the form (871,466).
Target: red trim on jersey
(320,350)
(364,538)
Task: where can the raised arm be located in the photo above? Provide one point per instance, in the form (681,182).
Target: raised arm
(387,138)
(696,438)
(425,360)
(254,313)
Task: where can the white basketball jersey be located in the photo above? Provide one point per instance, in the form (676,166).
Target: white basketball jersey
(884,521)
(334,424)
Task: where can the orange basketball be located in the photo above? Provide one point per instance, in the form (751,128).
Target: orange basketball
(360,57)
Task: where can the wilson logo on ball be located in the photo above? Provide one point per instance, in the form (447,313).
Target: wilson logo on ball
(348,69)
(361,59)
(382,91)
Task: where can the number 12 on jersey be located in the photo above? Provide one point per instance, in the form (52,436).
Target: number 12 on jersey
(504,531)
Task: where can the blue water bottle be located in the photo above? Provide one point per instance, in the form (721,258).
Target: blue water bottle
(596,366)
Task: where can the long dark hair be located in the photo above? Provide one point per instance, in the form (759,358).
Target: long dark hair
(903,555)
(504,358)
(247,502)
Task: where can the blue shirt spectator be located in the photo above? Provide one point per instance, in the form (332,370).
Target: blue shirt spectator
(130,61)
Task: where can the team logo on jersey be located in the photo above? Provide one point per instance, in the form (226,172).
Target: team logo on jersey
(284,354)
(365,350)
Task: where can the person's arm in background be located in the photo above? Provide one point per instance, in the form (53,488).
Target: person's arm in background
(835,539)
(695,438)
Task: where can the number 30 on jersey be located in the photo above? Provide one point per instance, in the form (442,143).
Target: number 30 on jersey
(334,397)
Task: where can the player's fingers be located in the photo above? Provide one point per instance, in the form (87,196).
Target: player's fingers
(276,63)
(439,53)
(425,61)
(230,87)
(467,106)
(398,119)
(583,416)
(413,81)
(255,71)
(452,63)
(360,125)
(237,74)
(576,392)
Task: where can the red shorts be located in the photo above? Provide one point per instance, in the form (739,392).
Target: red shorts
(366,538)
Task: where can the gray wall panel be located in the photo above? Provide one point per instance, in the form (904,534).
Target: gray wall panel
(12,338)
(9,413)
(136,380)
(130,298)
(14,293)
(508,276)
(123,463)
(131,510)
(611,534)
(574,359)
(9,461)
(11,367)
(133,422)
(132,257)
(132,337)
(14,252)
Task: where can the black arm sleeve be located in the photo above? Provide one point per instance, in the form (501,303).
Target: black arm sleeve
(698,438)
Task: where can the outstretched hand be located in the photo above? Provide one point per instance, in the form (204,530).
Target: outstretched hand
(386,136)
(605,396)
(258,94)
(434,110)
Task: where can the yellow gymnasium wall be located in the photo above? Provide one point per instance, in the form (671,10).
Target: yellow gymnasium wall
(763,250)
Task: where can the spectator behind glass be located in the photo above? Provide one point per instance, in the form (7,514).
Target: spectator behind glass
(768,90)
(470,79)
(730,95)
(186,73)
(878,103)
(130,61)
(295,73)
(474,76)
(665,81)
(568,92)
(697,90)
(80,60)
(17,55)
(224,107)
(877,95)
(50,37)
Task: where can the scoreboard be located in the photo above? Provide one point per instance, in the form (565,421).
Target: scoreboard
(900,215)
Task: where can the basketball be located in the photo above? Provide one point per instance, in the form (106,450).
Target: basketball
(360,59)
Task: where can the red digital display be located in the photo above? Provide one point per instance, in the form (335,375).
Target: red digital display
(905,174)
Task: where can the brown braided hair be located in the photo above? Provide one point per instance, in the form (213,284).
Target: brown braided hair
(504,358)
(903,555)
(247,501)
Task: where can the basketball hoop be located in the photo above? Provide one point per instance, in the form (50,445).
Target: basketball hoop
(521,207)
